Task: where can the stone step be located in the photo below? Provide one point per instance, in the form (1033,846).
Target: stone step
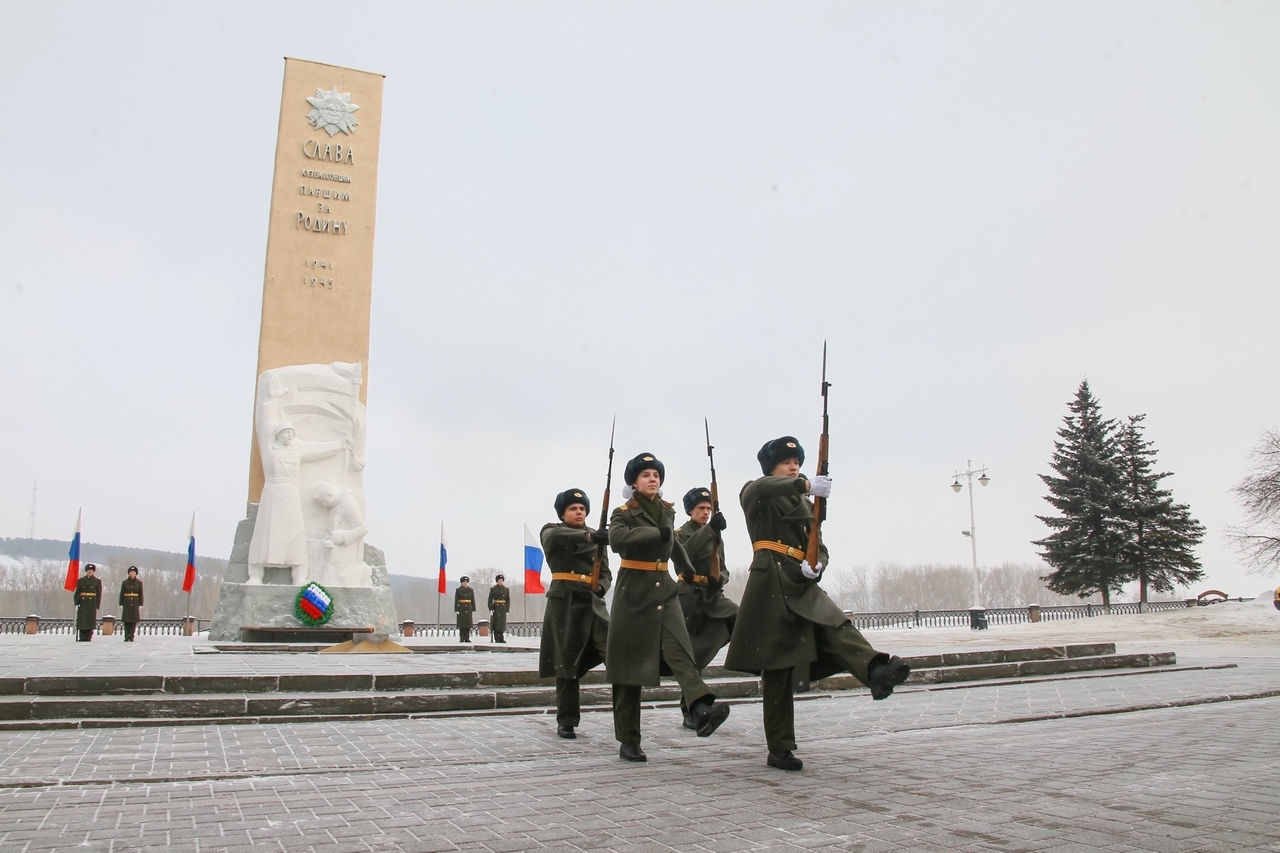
(117,685)
(52,710)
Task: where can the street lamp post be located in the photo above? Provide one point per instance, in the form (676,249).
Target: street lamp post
(968,473)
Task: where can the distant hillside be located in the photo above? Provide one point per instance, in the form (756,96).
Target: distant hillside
(92,552)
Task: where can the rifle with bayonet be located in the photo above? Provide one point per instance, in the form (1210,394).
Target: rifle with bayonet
(714,573)
(820,504)
(599,559)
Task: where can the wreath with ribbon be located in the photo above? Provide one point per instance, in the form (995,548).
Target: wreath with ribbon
(314,604)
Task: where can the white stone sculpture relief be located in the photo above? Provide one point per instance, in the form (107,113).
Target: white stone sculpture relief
(344,545)
(310,428)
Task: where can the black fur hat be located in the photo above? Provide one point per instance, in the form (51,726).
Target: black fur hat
(641,462)
(569,497)
(693,497)
(133,569)
(777,450)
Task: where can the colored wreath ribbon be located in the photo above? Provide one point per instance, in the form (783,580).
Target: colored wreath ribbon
(314,604)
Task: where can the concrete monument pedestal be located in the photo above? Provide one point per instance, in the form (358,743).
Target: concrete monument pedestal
(270,604)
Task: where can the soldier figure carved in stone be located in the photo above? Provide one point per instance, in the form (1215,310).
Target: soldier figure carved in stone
(88,598)
(708,615)
(575,627)
(464,604)
(788,630)
(648,633)
(499,606)
(130,603)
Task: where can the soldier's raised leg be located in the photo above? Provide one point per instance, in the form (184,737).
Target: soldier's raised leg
(706,712)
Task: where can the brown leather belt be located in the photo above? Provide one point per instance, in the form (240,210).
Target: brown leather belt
(644,565)
(778,547)
(700,580)
(570,576)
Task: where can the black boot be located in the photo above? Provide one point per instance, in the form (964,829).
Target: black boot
(708,715)
(632,752)
(566,732)
(785,761)
(885,674)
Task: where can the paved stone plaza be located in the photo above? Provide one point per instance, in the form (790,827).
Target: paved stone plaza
(1181,759)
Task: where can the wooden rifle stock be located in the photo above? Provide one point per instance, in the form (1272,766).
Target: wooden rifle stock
(811,553)
(604,516)
(714,572)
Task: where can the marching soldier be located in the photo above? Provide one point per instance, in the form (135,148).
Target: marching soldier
(575,627)
(648,628)
(130,603)
(88,598)
(464,604)
(499,605)
(708,615)
(788,629)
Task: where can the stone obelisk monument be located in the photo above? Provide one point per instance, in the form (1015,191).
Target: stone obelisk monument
(299,557)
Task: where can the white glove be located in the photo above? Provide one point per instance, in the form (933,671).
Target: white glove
(808,571)
(820,486)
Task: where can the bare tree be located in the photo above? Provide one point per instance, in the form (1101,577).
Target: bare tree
(1258,540)
(850,588)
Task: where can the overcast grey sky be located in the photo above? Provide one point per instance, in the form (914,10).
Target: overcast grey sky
(658,210)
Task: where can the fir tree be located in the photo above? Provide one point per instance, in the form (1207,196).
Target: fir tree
(1162,534)
(1087,545)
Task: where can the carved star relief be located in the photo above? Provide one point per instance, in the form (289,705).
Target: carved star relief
(332,111)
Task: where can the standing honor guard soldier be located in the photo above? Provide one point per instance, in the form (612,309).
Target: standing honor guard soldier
(499,605)
(708,615)
(464,604)
(88,598)
(130,603)
(575,627)
(648,630)
(788,629)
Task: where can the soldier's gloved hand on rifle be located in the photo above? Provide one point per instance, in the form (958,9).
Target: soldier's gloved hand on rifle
(810,572)
(664,535)
(717,520)
(599,537)
(819,486)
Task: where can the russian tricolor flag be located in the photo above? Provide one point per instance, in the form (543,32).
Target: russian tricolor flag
(189,579)
(73,561)
(532,564)
(444,558)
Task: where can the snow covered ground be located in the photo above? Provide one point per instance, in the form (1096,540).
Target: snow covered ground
(1230,623)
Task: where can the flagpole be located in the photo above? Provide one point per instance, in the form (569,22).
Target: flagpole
(73,574)
(189,573)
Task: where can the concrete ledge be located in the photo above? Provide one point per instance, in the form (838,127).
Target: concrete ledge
(98,700)
(181,684)
(71,685)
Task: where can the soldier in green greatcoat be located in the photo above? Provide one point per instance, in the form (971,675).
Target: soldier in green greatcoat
(647,631)
(130,603)
(88,598)
(708,615)
(788,630)
(499,605)
(575,626)
(464,604)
